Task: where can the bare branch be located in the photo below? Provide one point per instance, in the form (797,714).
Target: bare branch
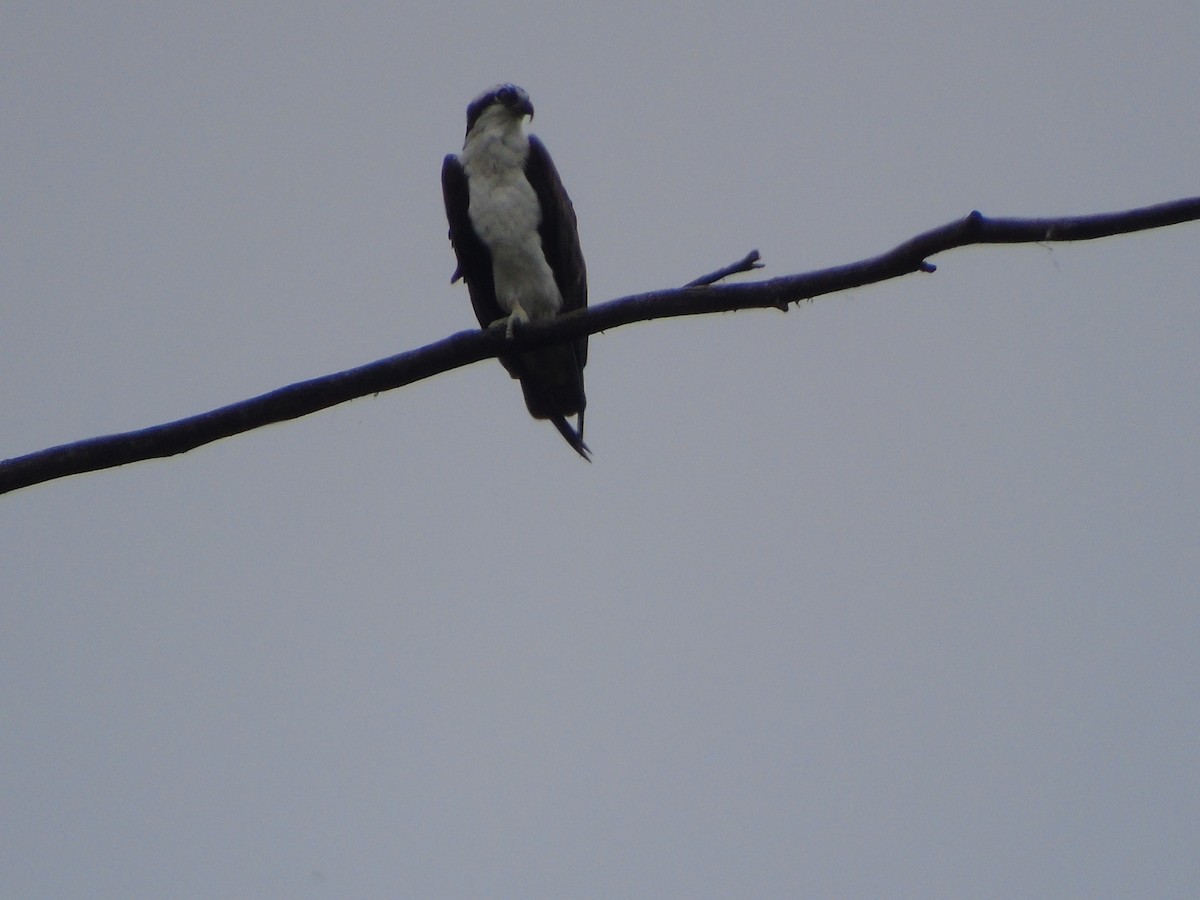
(700,297)
(745,264)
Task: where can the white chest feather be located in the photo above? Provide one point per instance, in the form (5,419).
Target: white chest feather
(505,213)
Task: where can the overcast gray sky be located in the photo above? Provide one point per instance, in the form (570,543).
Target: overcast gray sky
(896,595)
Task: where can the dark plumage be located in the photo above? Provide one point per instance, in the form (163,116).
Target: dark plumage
(505,184)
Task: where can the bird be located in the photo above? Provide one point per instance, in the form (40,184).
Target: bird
(516,240)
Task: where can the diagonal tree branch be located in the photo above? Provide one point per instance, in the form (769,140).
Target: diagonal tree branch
(699,297)
(747,263)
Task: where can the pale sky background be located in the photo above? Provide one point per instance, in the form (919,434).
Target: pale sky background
(896,595)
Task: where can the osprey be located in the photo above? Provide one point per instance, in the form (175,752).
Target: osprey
(513,230)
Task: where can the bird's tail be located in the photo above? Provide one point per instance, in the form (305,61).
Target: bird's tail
(573,437)
(552,381)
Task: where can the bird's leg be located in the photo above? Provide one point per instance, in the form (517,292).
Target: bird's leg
(517,315)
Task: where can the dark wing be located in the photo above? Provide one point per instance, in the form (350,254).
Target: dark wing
(560,234)
(474,258)
(557,390)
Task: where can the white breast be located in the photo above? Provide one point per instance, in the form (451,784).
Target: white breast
(505,213)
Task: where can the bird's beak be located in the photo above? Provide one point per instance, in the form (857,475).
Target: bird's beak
(525,107)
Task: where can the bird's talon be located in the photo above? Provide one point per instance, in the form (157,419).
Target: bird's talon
(517,317)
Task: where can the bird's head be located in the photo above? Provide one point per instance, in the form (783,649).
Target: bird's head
(504,101)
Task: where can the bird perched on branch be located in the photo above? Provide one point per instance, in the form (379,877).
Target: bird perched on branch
(513,230)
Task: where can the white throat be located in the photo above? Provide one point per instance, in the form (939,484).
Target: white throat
(496,141)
